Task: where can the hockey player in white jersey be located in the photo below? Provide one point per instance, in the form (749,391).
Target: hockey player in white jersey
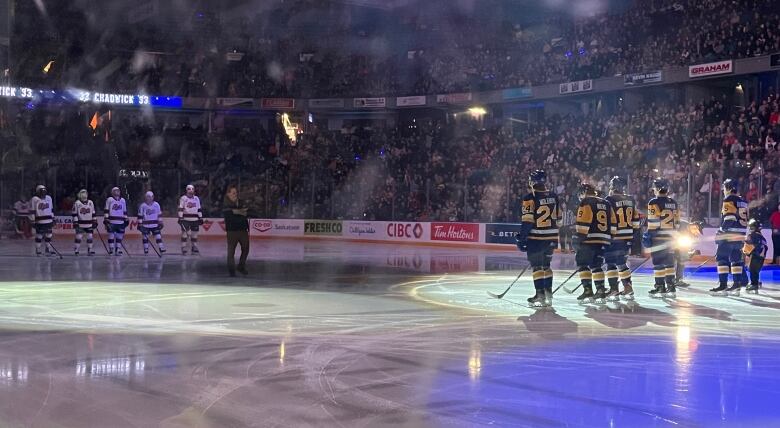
(149,222)
(22,217)
(190,219)
(115,220)
(84,222)
(43,219)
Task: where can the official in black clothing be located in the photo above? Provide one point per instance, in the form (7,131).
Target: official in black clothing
(237,228)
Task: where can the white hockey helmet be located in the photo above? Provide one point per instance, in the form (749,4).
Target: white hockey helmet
(149,196)
(83,195)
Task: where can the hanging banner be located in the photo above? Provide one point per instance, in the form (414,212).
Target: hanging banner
(277,103)
(574,87)
(326,103)
(516,93)
(643,78)
(411,101)
(460,98)
(369,102)
(711,69)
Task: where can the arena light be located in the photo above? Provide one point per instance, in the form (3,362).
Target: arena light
(684,242)
(477,112)
(291,129)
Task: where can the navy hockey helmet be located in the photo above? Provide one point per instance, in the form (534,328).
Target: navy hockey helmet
(617,184)
(730,185)
(586,189)
(661,185)
(754,225)
(537,178)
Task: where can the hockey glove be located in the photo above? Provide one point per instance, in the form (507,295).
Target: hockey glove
(200,222)
(522,244)
(647,240)
(181,222)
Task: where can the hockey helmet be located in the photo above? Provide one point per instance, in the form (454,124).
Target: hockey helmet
(661,185)
(754,225)
(730,185)
(115,192)
(190,188)
(83,195)
(149,196)
(40,189)
(617,184)
(586,189)
(537,178)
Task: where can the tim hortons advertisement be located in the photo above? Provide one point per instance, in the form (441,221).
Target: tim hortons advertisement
(455,232)
(322,228)
(261,227)
(711,69)
(405,231)
(363,229)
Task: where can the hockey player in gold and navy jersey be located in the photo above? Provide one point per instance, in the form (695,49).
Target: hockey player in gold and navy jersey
(663,217)
(590,241)
(624,218)
(538,235)
(755,248)
(730,236)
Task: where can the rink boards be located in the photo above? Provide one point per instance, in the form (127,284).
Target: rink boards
(490,235)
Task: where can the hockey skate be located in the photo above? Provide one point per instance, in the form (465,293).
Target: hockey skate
(720,290)
(195,251)
(671,292)
(586,296)
(753,288)
(91,253)
(614,293)
(537,301)
(548,297)
(183,251)
(146,251)
(658,291)
(628,292)
(734,290)
(600,298)
(76,253)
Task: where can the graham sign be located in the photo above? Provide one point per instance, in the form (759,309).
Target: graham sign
(711,69)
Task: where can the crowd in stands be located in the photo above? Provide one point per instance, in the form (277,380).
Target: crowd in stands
(421,170)
(312,49)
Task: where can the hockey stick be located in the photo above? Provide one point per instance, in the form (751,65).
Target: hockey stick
(499,296)
(55,250)
(707,260)
(125,248)
(154,247)
(564,282)
(105,247)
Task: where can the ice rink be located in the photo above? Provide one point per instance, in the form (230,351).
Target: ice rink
(325,333)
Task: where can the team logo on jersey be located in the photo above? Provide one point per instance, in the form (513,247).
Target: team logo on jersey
(43,205)
(191,205)
(84,210)
(116,207)
(150,211)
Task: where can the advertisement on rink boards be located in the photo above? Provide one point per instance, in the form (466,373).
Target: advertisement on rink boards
(411,101)
(322,228)
(369,102)
(455,232)
(400,231)
(496,233)
(260,227)
(711,69)
(635,79)
(363,229)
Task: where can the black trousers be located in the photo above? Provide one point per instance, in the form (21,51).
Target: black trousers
(754,267)
(234,239)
